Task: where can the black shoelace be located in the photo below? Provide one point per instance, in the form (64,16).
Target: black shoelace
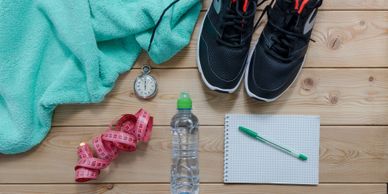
(283,39)
(158,23)
(236,23)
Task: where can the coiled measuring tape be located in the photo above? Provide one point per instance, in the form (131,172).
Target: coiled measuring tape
(129,130)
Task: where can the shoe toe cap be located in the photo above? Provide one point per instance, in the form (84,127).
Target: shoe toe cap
(221,66)
(268,78)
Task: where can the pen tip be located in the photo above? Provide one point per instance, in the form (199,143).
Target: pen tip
(302,157)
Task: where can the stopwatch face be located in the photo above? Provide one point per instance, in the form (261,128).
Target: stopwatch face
(145,86)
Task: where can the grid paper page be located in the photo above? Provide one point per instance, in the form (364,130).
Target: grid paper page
(248,160)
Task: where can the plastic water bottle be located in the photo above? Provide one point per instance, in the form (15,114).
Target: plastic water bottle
(184,168)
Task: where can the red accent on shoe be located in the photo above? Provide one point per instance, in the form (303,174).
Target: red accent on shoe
(302,6)
(245,7)
(296,4)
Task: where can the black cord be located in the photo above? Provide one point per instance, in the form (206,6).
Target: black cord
(158,23)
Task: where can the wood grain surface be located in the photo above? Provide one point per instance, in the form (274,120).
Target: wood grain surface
(357,39)
(339,96)
(205,188)
(347,154)
(345,81)
(338,4)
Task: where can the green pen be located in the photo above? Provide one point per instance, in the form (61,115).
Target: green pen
(274,145)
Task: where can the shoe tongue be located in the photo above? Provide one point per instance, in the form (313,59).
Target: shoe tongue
(285,4)
(279,13)
(285,15)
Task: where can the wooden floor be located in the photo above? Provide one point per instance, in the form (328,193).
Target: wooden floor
(345,81)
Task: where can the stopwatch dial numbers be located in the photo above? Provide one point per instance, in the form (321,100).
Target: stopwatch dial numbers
(145,87)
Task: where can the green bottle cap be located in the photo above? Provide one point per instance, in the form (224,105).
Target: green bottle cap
(184,101)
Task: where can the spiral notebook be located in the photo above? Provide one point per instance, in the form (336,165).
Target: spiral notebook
(247,160)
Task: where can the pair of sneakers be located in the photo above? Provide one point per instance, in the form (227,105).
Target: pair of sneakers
(225,55)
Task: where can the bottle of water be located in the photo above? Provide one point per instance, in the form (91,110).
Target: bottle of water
(184,168)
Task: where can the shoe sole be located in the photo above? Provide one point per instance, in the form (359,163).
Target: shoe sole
(211,87)
(252,95)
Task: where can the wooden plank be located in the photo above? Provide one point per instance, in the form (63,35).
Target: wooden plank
(357,39)
(347,154)
(205,188)
(339,5)
(339,96)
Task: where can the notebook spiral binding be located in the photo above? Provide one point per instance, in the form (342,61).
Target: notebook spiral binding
(226,148)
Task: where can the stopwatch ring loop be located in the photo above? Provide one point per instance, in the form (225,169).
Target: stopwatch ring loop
(146,69)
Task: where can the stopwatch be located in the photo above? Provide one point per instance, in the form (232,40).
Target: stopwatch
(145,85)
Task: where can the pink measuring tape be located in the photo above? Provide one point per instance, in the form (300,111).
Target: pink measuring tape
(129,130)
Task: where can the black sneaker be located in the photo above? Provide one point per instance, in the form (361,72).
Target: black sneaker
(223,43)
(280,51)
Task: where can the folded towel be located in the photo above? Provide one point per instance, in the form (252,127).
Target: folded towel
(57,52)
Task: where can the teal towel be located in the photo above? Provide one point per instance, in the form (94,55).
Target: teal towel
(71,51)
